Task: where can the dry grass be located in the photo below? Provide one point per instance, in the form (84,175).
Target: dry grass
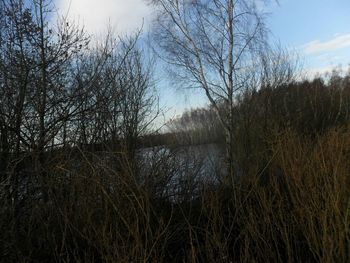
(295,209)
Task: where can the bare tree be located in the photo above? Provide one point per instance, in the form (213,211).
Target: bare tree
(36,77)
(218,46)
(121,98)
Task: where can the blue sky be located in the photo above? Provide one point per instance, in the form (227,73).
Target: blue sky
(319,30)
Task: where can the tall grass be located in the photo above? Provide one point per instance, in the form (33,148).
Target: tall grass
(296,209)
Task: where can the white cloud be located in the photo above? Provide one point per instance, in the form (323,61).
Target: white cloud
(123,15)
(338,42)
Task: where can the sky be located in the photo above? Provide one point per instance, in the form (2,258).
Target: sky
(123,15)
(318,30)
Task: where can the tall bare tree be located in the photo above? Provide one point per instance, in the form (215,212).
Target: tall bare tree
(36,77)
(218,46)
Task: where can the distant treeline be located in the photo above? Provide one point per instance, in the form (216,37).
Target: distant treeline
(309,107)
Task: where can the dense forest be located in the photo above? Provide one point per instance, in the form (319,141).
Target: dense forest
(262,174)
